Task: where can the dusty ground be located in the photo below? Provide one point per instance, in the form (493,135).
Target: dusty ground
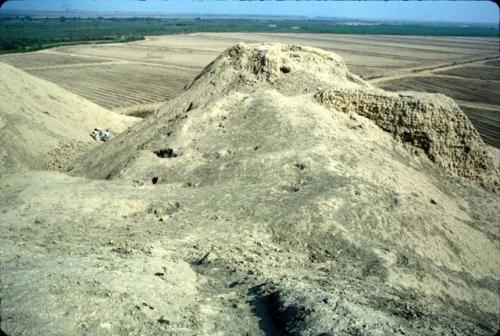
(132,78)
(249,206)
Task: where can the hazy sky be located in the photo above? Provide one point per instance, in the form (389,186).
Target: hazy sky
(444,11)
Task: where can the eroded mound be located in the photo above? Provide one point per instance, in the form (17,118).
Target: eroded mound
(38,117)
(431,122)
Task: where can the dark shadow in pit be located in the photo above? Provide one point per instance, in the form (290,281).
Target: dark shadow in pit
(165,153)
(2,333)
(266,307)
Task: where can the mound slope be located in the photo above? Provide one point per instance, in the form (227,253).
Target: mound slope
(37,116)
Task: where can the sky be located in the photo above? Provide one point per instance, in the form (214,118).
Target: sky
(428,11)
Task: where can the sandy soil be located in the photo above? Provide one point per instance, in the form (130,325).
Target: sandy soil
(256,203)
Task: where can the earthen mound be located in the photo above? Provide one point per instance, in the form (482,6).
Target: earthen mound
(37,117)
(431,122)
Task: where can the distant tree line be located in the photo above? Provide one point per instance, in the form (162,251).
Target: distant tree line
(27,33)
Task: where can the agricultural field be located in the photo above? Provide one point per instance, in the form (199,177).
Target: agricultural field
(46,60)
(475,91)
(456,87)
(119,85)
(474,86)
(487,122)
(493,63)
(136,77)
(474,72)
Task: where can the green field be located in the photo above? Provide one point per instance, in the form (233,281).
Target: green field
(26,33)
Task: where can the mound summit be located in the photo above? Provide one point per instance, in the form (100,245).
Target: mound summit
(279,194)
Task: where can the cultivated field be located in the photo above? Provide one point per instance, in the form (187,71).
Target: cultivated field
(135,77)
(474,72)
(118,85)
(41,60)
(477,91)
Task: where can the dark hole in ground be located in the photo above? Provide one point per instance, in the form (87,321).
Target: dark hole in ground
(165,153)
(154,180)
(163,320)
(275,318)
(300,166)
(149,306)
(285,69)
(190,107)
